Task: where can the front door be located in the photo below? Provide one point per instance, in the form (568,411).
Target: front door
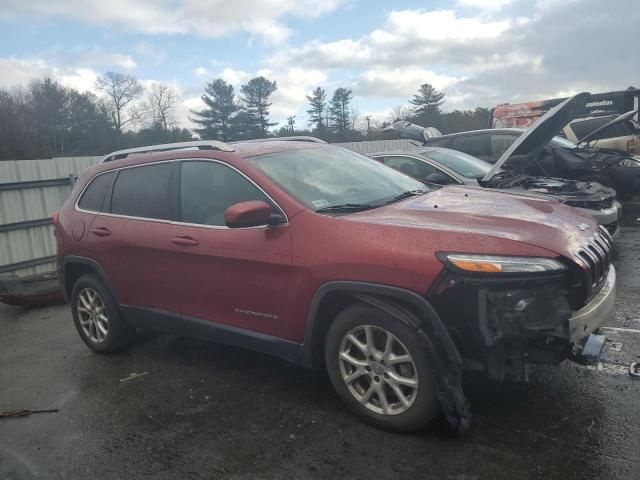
(235,276)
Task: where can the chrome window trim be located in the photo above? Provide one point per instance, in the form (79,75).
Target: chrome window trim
(186,224)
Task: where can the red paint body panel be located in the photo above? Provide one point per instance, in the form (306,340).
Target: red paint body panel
(264,278)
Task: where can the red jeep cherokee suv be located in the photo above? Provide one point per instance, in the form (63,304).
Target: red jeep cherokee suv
(321,256)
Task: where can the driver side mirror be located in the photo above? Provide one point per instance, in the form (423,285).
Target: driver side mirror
(438,178)
(251,214)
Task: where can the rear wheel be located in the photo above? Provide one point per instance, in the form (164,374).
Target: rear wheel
(378,368)
(97,318)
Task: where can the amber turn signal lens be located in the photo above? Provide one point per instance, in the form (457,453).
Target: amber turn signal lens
(475,266)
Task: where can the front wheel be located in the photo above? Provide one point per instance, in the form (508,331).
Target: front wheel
(378,368)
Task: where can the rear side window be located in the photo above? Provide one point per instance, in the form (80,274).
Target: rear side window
(207,189)
(440,142)
(94,194)
(477,145)
(143,192)
(583,127)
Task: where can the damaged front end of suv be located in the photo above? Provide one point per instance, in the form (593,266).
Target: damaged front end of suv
(533,314)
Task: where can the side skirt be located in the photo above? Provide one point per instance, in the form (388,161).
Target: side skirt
(159,320)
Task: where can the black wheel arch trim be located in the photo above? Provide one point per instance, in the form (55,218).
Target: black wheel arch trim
(436,340)
(364,290)
(89,262)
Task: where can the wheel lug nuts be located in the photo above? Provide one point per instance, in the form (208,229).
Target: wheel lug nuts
(376,379)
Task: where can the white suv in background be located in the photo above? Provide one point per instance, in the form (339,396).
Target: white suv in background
(617,132)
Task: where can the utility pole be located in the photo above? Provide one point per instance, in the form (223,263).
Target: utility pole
(368,119)
(291,121)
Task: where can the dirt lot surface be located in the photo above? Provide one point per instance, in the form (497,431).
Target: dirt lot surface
(204,411)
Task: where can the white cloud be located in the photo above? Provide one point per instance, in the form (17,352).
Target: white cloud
(205,18)
(485,4)
(20,71)
(398,82)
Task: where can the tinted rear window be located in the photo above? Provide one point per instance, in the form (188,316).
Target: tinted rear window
(583,128)
(94,194)
(143,192)
(473,144)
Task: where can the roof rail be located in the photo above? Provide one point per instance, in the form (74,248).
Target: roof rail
(301,138)
(166,147)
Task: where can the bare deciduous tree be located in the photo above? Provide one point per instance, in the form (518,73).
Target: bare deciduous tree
(122,91)
(161,105)
(399,112)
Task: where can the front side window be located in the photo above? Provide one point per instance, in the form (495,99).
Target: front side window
(94,194)
(411,166)
(461,163)
(207,189)
(143,192)
(500,143)
(325,177)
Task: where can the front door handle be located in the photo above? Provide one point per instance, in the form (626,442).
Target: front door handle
(101,231)
(185,241)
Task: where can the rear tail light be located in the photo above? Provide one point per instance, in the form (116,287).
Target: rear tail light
(55,217)
(632,147)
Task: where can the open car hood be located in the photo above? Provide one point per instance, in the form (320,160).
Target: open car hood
(621,118)
(540,134)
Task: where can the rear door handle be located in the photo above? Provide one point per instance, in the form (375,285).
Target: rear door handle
(101,231)
(185,241)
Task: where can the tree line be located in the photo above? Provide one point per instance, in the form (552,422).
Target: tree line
(46,119)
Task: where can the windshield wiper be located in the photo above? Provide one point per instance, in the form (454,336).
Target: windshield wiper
(407,194)
(345,207)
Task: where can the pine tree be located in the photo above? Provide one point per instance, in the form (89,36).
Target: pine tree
(255,96)
(427,101)
(318,104)
(217,119)
(339,110)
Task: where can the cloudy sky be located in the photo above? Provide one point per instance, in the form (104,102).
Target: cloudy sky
(480,52)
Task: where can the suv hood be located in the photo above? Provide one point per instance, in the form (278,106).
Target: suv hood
(621,118)
(540,133)
(542,223)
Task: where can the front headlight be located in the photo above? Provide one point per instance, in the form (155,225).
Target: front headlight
(629,163)
(499,264)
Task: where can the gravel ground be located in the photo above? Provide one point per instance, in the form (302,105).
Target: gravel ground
(206,411)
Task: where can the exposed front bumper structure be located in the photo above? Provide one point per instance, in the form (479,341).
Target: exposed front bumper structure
(584,321)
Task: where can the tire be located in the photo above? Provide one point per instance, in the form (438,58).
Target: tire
(421,404)
(97,318)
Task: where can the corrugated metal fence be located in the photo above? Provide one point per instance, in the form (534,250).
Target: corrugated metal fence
(30,191)
(378,145)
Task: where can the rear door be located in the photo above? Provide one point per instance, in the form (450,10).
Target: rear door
(235,276)
(131,238)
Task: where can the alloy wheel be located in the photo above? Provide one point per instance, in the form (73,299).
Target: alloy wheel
(92,315)
(378,370)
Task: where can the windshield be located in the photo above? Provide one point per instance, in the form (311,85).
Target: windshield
(325,177)
(461,163)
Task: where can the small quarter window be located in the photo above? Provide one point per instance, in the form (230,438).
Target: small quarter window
(94,194)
